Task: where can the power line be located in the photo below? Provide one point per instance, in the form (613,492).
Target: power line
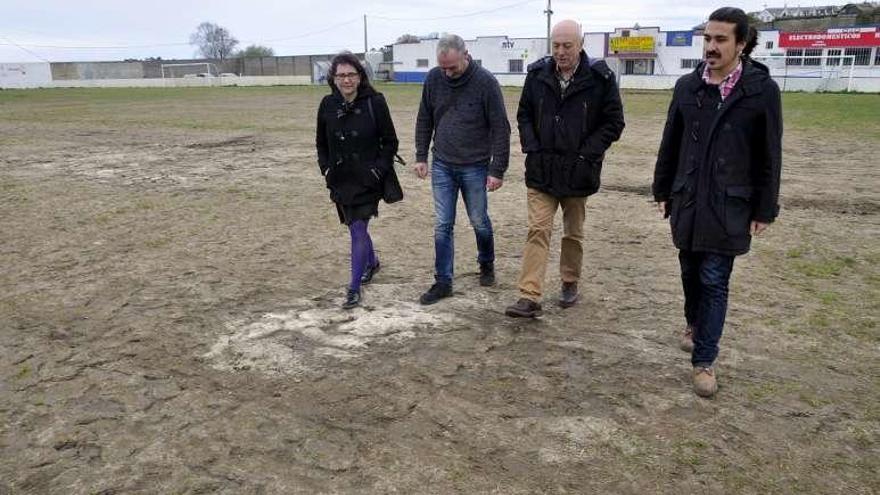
(161,45)
(22,46)
(311,33)
(23,49)
(455,16)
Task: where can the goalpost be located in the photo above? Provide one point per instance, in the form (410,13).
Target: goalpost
(195,69)
(826,67)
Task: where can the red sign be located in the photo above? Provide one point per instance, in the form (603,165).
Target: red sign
(832,38)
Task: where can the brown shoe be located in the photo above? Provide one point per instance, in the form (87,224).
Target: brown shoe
(524,308)
(687,340)
(704,381)
(568,296)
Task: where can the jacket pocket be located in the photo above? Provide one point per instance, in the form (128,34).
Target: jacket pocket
(370,176)
(737,210)
(676,200)
(585,174)
(535,164)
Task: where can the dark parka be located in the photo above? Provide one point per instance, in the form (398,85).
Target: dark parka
(565,135)
(356,146)
(719,163)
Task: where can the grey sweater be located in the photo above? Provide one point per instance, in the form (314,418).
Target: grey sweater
(466,118)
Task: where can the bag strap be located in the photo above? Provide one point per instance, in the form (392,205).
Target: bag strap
(397,157)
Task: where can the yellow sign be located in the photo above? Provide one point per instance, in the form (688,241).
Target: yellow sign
(631,44)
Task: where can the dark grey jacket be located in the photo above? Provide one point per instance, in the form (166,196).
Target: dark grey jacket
(466,118)
(719,163)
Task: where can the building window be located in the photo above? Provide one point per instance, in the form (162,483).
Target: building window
(515,65)
(813,56)
(768,45)
(862,56)
(421,62)
(877,57)
(479,62)
(794,56)
(833,57)
(624,33)
(640,67)
(690,63)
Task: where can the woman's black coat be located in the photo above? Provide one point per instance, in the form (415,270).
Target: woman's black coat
(356,145)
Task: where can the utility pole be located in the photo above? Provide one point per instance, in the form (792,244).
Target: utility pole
(549,13)
(365,35)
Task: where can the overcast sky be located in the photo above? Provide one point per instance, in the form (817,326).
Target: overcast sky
(72,30)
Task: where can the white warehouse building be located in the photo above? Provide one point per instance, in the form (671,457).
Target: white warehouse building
(650,58)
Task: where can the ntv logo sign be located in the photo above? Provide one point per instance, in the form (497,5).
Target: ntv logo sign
(506,45)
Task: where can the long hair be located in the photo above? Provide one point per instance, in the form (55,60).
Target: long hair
(742,30)
(348,58)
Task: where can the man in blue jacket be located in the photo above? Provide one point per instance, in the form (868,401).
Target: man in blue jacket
(569,114)
(717,176)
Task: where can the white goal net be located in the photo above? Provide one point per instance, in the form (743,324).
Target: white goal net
(830,72)
(191,70)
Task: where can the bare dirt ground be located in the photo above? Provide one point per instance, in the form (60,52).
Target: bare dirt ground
(171,269)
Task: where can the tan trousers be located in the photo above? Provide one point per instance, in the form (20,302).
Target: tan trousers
(542,209)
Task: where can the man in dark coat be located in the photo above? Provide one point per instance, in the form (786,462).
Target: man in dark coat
(569,114)
(717,176)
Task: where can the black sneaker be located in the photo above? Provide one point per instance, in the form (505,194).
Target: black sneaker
(369,272)
(487,274)
(352,299)
(437,291)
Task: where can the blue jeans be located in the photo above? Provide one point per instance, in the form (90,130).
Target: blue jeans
(446,181)
(705,278)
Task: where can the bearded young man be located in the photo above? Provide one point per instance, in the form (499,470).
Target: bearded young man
(717,176)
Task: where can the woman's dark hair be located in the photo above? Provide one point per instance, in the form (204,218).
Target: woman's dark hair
(742,30)
(348,58)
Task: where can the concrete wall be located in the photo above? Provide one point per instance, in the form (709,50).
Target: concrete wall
(178,82)
(25,75)
(97,70)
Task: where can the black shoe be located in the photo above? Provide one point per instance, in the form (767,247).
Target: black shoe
(568,296)
(487,274)
(369,272)
(352,299)
(524,308)
(437,291)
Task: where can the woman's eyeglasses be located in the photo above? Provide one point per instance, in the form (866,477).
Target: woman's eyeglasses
(347,75)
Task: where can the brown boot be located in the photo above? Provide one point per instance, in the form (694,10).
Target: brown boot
(568,296)
(524,308)
(704,381)
(687,340)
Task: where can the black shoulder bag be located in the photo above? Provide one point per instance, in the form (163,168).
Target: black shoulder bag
(391,190)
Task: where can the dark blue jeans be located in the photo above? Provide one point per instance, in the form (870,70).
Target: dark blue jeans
(705,278)
(446,181)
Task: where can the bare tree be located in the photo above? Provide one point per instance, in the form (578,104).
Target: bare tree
(213,41)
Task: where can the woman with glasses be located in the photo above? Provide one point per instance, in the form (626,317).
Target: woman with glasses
(356,147)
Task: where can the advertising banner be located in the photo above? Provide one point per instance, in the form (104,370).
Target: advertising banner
(680,38)
(832,38)
(631,44)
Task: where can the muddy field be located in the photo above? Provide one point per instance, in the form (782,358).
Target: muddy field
(171,270)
